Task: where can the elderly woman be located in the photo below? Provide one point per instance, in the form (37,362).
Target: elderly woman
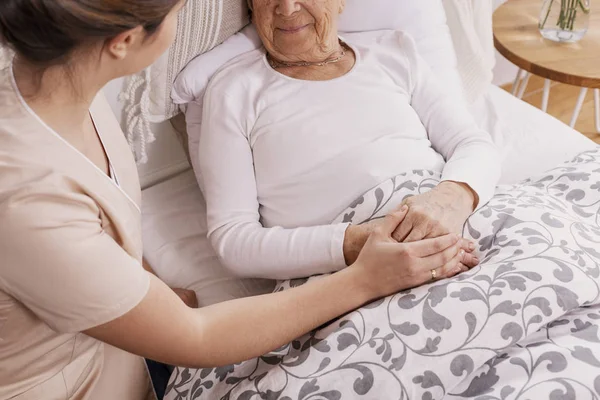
(292,133)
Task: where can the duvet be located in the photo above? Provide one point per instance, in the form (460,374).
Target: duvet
(522,325)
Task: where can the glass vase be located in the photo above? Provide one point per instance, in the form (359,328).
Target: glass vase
(564,20)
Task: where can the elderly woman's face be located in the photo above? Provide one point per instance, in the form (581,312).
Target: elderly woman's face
(291,29)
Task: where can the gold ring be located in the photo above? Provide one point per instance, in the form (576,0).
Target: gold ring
(433,274)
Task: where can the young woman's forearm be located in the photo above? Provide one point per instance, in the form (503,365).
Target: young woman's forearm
(276,319)
(167,331)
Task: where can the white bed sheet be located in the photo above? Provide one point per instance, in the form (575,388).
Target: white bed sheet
(174,221)
(530,141)
(175,243)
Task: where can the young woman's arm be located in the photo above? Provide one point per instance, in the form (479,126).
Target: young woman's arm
(162,328)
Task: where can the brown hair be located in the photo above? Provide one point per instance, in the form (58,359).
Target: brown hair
(47,32)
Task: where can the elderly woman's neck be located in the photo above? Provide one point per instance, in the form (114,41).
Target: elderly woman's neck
(320,52)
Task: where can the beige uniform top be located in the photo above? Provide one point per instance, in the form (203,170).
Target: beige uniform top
(70,259)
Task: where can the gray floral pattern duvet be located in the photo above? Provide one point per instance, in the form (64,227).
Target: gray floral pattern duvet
(522,325)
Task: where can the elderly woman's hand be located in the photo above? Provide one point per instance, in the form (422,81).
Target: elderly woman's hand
(391,266)
(438,212)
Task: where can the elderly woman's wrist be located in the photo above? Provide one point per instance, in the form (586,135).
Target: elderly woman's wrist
(463,191)
(354,240)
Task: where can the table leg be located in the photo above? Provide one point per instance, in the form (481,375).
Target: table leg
(515,86)
(524,85)
(578,107)
(546,96)
(597,107)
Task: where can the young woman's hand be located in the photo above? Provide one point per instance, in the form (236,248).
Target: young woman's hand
(390,267)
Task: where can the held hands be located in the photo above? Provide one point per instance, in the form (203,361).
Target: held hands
(438,212)
(387,266)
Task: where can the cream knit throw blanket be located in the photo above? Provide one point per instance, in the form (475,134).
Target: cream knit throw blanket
(470,23)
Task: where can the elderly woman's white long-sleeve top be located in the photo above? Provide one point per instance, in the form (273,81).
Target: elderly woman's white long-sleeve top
(280,158)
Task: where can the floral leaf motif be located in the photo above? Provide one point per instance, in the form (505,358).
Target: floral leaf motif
(531,240)
(434,321)
(568,394)
(536,319)
(407,302)
(357,202)
(597,384)
(506,391)
(575,195)
(506,307)
(406,329)
(379,197)
(504,268)
(581,213)
(558,322)
(529,232)
(549,220)
(247,395)
(475,234)
(346,340)
(365,383)
(566,299)
(577,176)
(428,380)
(558,362)
(587,331)
(324,364)
(542,303)
(591,251)
(460,364)
(515,282)
(222,372)
(349,217)
(563,273)
(481,384)
(410,185)
(431,346)
(512,331)
(532,276)
(437,294)
(468,294)
(321,345)
(584,354)
(398,362)
(471,321)
(520,362)
(308,388)
(505,221)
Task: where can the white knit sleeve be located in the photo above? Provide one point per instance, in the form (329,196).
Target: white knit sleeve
(471,157)
(226,176)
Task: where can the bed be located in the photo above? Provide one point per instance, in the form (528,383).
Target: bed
(527,330)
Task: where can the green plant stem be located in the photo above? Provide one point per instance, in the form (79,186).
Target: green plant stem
(543,24)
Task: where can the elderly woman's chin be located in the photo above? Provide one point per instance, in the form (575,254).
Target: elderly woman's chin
(294,42)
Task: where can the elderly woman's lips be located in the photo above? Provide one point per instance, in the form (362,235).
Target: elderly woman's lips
(293,29)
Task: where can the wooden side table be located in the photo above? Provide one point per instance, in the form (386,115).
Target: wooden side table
(517,37)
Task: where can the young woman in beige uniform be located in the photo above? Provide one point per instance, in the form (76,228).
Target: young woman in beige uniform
(77,309)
